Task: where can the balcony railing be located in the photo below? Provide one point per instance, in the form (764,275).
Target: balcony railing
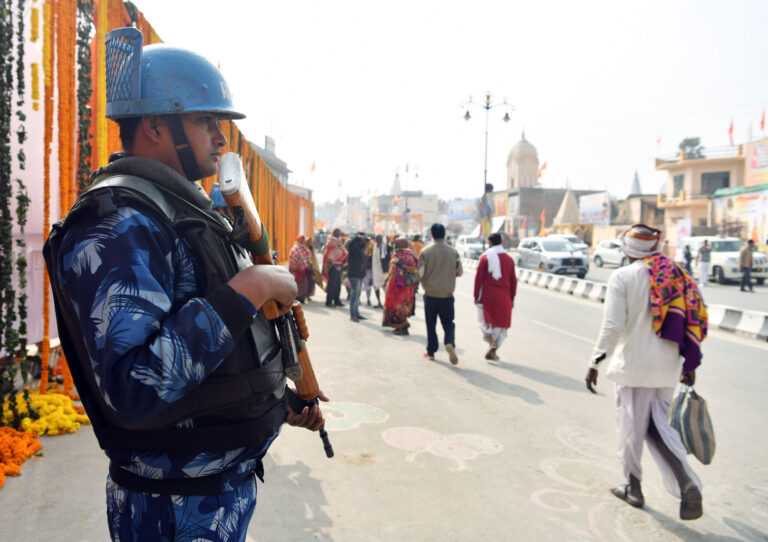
(682,197)
(705,153)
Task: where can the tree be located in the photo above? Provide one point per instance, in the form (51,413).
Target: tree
(692,148)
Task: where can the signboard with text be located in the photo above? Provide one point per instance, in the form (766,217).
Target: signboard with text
(595,209)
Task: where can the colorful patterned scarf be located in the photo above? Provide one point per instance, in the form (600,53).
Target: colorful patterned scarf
(679,313)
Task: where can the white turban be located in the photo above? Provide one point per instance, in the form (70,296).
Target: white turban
(640,241)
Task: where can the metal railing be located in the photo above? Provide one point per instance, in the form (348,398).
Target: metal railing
(704,153)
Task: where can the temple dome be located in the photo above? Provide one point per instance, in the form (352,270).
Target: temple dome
(522,150)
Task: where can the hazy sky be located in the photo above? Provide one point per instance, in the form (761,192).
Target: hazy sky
(362,88)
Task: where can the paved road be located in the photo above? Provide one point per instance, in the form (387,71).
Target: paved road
(425,451)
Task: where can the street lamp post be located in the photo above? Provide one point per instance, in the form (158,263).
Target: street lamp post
(487,104)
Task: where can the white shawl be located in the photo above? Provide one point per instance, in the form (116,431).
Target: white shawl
(492,255)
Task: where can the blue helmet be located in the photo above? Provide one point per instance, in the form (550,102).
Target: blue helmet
(161,80)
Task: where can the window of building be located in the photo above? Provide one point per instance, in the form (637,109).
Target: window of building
(679,180)
(713,181)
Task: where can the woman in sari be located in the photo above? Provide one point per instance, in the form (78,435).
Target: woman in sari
(400,295)
(300,266)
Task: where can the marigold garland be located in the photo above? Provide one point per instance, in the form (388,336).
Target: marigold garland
(49,35)
(56,413)
(15,448)
(34,24)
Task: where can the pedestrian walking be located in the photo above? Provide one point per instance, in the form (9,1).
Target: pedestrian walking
(368,280)
(703,260)
(157,310)
(300,266)
(654,316)
(745,264)
(400,285)
(378,267)
(334,258)
(688,257)
(356,269)
(495,289)
(439,265)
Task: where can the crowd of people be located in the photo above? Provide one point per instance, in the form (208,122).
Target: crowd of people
(398,267)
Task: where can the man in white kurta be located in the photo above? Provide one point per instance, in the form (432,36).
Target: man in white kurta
(645,370)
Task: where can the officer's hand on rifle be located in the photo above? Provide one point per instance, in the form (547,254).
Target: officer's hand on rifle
(260,283)
(309,418)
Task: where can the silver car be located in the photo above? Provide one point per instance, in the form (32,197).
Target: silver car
(552,256)
(609,252)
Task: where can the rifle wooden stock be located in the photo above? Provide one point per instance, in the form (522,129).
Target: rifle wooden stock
(306,386)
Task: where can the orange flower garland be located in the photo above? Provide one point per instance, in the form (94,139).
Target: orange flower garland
(15,448)
(49,36)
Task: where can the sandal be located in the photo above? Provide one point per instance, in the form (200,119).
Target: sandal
(622,492)
(690,504)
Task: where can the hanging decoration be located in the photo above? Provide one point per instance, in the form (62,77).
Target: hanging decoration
(84,90)
(49,35)
(7,316)
(22,204)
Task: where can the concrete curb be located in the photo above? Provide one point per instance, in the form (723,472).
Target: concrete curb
(750,324)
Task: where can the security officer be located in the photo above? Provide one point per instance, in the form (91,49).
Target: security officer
(158,310)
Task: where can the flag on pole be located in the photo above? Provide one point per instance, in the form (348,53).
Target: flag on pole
(730,133)
(314,165)
(762,121)
(542,168)
(658,144)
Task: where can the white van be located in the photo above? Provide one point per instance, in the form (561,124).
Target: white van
(725,258)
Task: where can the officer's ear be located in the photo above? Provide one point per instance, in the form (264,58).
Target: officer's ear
(152,128)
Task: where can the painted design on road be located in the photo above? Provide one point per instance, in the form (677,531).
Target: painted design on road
(340,416)
(460,447)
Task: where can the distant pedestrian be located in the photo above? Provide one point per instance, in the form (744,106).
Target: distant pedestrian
(300,266)
(356,273)
(654,314)
(417,245)
(495,289)
(400,286)
(745,264)
(688,257)
(439,265)
(334,259)
(703,260)
(378,268)
(368,280)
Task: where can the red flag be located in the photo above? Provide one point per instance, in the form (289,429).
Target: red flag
(525,221)
(542,168)
(730,132)
(543,217)
(314,166)
(762,121)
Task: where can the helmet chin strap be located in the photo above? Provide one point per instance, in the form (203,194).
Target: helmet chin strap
(183,149)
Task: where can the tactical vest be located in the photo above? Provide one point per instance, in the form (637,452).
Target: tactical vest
(240,404)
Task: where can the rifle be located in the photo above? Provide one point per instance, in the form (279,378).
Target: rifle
(291,326)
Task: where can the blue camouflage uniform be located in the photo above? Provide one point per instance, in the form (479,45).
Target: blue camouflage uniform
(152,338)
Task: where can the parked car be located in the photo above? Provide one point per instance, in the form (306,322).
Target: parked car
(469,247)
(575,240)
(552,256)
(725,258)
(609,252)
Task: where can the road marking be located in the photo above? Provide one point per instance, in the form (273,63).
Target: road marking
(564,332)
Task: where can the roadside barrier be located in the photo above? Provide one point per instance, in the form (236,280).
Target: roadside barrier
(751,324)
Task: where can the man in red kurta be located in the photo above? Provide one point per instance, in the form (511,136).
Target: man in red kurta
(495,289)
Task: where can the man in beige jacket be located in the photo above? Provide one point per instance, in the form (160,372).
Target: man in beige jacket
(439,265)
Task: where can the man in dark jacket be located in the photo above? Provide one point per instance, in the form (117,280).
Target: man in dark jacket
(356,269)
